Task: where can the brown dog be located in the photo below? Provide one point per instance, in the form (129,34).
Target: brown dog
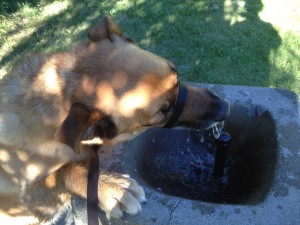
(50,103)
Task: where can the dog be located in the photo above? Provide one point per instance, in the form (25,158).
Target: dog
(51,105)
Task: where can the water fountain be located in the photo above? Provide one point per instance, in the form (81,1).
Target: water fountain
(260,183)
(182,165)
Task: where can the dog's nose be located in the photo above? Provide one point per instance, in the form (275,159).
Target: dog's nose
(218,111)
(218,108)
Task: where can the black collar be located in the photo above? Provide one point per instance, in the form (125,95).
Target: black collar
(178,108)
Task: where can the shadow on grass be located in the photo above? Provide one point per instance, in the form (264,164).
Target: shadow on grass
(54,32)
(206,46)
(196,35)
(11,6)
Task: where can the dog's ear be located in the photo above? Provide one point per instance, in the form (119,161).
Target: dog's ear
(105,29)
(78,119)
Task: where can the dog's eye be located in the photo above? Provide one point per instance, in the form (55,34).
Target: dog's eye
(130,40)
(165,108)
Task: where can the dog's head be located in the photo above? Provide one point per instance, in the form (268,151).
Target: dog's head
(122,88)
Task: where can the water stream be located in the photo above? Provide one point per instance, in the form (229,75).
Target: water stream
(217,129)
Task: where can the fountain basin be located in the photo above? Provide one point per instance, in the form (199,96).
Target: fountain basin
(265,153)
(180,162)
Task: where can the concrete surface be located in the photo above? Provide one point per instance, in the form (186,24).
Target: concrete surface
(280,207)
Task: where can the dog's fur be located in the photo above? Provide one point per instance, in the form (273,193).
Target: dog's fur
(107,86)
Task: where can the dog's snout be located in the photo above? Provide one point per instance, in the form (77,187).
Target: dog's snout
(218,109)
(203,106)
(224,110)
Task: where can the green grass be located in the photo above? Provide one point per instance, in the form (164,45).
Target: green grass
(242,42)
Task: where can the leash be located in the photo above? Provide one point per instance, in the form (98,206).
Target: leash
(93,174)
(92,188)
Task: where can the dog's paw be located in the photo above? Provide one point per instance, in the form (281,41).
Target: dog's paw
(118,193)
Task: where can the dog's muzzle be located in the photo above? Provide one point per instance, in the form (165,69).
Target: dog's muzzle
(218,113)
(178,108)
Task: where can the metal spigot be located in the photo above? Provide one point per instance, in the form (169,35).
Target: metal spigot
(222,144)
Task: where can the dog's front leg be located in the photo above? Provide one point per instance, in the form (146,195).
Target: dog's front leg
(116,192)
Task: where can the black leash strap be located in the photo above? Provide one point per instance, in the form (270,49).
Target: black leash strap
(93,175)
(178,106)
(92,188)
